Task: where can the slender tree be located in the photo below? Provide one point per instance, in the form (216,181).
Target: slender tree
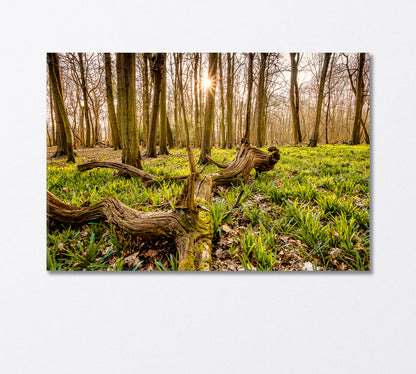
(294,97)
(314,139)
(196,92)
(85,97)
(126,108)
(179,57)
(145,95)
(359,101)
(64,137)
(175,101)
(222,105)
(110,102)
(157,66)
(209,110)
(171,143)
(246,137)
(51,110)
(329,99)
(163,149)
(230,96)
(260,103)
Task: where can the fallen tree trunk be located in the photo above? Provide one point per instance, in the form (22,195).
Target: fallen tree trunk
(190,224)
(148,179)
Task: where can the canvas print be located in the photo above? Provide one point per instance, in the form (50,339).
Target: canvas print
(208,161)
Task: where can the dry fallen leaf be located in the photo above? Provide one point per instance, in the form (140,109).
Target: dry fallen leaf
(227,229)
(307,266)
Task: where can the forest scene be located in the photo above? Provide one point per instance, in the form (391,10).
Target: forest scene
(208,161)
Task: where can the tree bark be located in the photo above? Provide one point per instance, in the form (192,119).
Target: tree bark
(85,96)
(157,66)
(223,140)
(196,89)
(246,137)
(294,97)
(163,149)
(146,116)
(355,137)
(171,143)
(230,95)
(64,137)
(261,101)
(314,139)
(209,110)
(110,102)
(51,110)
(329,101)
(126,108)
(182,100)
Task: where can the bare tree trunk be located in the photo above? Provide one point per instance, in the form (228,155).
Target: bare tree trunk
(355,137)
(163,149)
(126,108)
(230,83)
(209,110)
(201,99)
(84,92)
(260,101)
(222,102)
(314,139)
(81,124)
(65,138)
(246,137)
(329,100)
(363,122)
(157,66)
(146,117)
(294,97)
(51,109)
(182,100)
(176,104)
(196,89)
(171,143)
(110,102)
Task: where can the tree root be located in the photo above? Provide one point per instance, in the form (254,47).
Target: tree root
(190,224)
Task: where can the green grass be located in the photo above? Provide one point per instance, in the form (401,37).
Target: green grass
(316,199)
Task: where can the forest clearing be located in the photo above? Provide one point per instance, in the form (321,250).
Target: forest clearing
(238,162)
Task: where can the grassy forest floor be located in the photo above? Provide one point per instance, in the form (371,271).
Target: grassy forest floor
(311,212)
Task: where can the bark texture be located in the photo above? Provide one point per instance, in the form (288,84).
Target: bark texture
(63,135)
(230,96)
(126,108)
(294,97)
(163,147)
(85,97)
(261,98)
(196,92)
(249,89)
(222,105)
(110,102)
(315,136)
(157,67)
(355,137)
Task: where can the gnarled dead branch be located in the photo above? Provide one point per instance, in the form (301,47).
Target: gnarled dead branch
(190,224)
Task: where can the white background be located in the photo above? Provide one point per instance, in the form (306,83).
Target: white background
(207,323)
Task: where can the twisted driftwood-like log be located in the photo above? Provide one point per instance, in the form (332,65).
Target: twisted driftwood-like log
(148,179)
(190,224)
